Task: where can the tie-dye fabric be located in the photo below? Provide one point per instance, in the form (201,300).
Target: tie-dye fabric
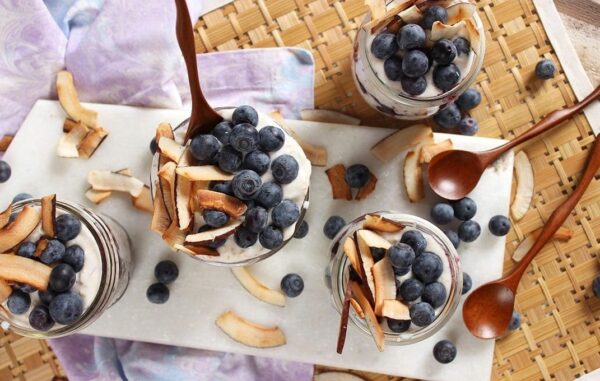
(125,52)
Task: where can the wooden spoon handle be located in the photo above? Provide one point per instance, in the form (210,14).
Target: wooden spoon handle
(560,214)
(551,120)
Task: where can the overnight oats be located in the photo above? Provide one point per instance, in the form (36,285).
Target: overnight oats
(231,197)
(61,267)
(418,56)
(397,277)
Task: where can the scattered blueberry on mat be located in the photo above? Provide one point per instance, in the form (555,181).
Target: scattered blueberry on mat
(66,308)
(5,171)
(18,302)
(469,99)
(357,176)
(333,225)
(301,230)
(398,326)
(545,69)
(465,209)
(292,285)
(499,225)
(515,321)
(40,319)
(467,283)
(453,237)
(468,126)
(62,278)
(166,272)
(447,117)
(469,231)
(444,351)
(21,197)
(442,213)
(157,293)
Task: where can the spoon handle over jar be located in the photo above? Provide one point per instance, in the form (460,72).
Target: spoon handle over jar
(560,214)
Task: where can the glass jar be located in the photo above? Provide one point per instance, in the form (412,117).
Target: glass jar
(114,257)
(179,133)
(337,274)
(384,95)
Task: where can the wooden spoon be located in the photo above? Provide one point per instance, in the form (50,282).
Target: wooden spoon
(454,174)
(488,310)
(203,117)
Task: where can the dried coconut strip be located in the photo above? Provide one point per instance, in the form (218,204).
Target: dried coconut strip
(161,219)
(525,186)
(143,202)
(174,236)
(357,308)
(69,100)
(392,145)
(111,181)
(413,177)
(562,234)
(339,187)
(367,189)
(370,318)
(377,22)
(428,151)
(69,124)
(460,11)
(5,290)
(183,194)
(385,283)
(41,245)
(197,250)
(171,149)
(203,173)
(395,309)
(167,177)
(317,155)
(97,196)
(91,142)
(14,268)
(5,142)
(18,230)
(381,224)
(69,142)
(49,215)
(343,329)
(207,199)
(209,236)
(5,216)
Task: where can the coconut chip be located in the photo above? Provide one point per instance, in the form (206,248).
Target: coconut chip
(49,215)
(257,288)
(430,150)
(465,29)
(40,246)
(207,199)
(91,142)
(160,216)
(249,333)
(339,187)
(111,181)
(17,231)
(392,145)
(385,283)
(171,149)
(366,190)
(377,22)
(351,251)
(381,224)
(328,116)
(562,234)
(370,318)
(460,11)
(68,145)
(69,100)
(525,186)
(203,173)
(209,236)
(316,154)
(357,308)
(395,309)
(412,15)
(5,291)
(196,250)
(14,268)
(143,202)
(5,142)
(5,216)
(413,177)
(345,314)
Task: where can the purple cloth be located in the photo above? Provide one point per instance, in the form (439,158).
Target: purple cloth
(125,52)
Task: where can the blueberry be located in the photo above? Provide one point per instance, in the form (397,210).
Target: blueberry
(469,231)
(244,238)
(46,296)
(377,253)
(18,302)
(66,308)
(401,255)
(256,219)
(384,45)
(270,195)
(62,278)
(75,257)
(215,218)
(468,126)
(54,252)
(427,267)
(67,227)
(411,290)
(157,293)
(244,138)
(357,176)
(166,272)
(463,46)
(433,14)
(416,240)
(469,100)
(434,294)
(421,314)
(271,138)
(153,146)
(292,285)
(596,286)
(257,161)
(393,68)
(448,116)
(245,114)
(442,213)
(222,131)
(545,69)
(414,86)
(415,64)
(301,230)
(411,36)
(515,321)
(467,283)
(246,184)
(271,237)
(499,225)
(285,214)
(21,197)
(333,225)
(40,319)
(399,271)
(27,250)
(445,77)
(229,160)
(5,171)
(398,326)
(453,237)
(443,51)
(222,187)
(285,169)
(205,148)
(465,209)
(444,351)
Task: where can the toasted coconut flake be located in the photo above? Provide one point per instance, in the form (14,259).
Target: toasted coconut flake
(474,35)
(17,231)
(317,155)
(171,149)
(377,8)
(412,15)
(164,130)
(370,318)
(160,217)
(166,176)
(352,253)
(207,199)
(343,329)
(209,236)
(460,11)
(14,268)
(5,216)
(465,28)
(69,100)
(143,202)
(91,142)
(367,239)
(69,124)
(395,309)
(5,290)
(430,150)
(249,333)
(41,245)
(49,215)
(357,308)
(366,190)
(562,234)
(174,236)
(392,145)
(413,177)
(97,196)
(525,185)
(183,191)
(5,142)
(196,250)
(69,143)
(381,224)
(377,23)
(110,181)
(257,289)
(204,173)
(385,283)
(328,116)
(339,187)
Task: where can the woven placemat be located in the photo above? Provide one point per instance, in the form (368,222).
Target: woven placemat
(27,359)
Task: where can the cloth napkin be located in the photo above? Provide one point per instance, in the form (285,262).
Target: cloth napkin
(125,52)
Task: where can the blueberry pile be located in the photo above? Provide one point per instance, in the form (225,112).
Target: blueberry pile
(165,272)
(236,146)
(60,303)
(454,115)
